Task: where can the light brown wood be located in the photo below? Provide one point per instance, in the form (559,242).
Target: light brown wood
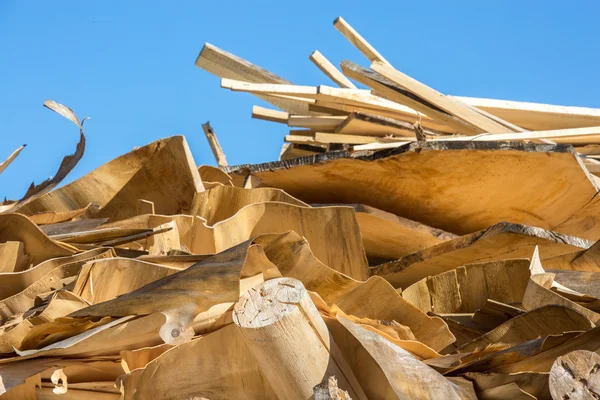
(540,322)
(434,97)
(386,371)
(395,92)
(467,288)
(145,207)
(486,196)
(223,202)
(321,137)
(322,123)
(330,70)
(357,40)
(226,65)
(328,390)
(537,116)
(575,376)
(13,257)
(267,114)
(388,236)
(213,142)
(289,321)
(484,246)
(163,172)
(4,164)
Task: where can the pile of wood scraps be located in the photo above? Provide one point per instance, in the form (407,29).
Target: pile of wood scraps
(452,255)
(381,107)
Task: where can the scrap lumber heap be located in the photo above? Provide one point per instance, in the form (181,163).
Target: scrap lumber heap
(406,245)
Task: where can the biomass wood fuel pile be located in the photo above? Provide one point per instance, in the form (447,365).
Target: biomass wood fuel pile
(430,265)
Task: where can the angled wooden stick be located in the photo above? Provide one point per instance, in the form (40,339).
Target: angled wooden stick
(214,144)
(330,70)
(358,41)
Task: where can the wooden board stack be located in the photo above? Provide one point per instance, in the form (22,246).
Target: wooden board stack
(394,109)
(422,265)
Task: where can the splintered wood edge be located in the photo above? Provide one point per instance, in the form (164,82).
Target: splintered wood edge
(268,303)
(370,155)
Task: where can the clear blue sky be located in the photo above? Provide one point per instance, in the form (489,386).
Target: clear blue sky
(129,65)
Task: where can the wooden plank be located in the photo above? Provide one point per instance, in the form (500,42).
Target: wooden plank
(465,184)
(320,123)
(321,137)
(309,92)
(330,70)
(268,114)
(213,142)
(226,65)
(536,116)
(357,40)
(432,96)
(396,93)
(499,242)
(301,139)
(296,150)
(359,123)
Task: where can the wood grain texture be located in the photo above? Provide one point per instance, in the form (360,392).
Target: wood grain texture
(163,172)
(287,326)
(499,242)
(547,184)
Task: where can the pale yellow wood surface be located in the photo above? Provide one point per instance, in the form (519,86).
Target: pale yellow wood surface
(357,40)
(330,70)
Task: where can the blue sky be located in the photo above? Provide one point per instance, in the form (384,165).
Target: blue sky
(130,66)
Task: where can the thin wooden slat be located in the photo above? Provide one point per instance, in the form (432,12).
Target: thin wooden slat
(268,114)
(450,106)
(320,123)
(330,70)
(357,40)
(213,142)
(396,93)
(12,157)
(226,65)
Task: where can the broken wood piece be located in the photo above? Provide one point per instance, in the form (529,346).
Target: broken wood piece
(357,40)
(4,164)
(576,375)
(213,142)
(328,390)
(279,321)
(330,70)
